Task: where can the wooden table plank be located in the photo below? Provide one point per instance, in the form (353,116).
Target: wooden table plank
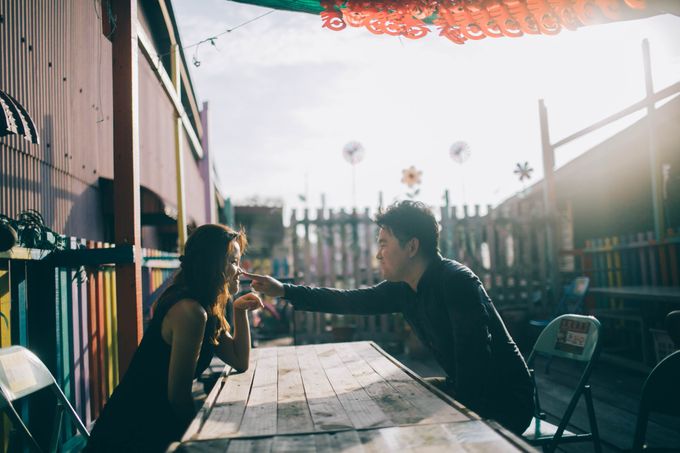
(346,442)
(230,405)
(418,438)
(362,410)
(203,414)
(395,405)
(477,436)
(424,399)
(260,445)
(473,436)
(327,411)
(294,444)
(210,446)
(292,413)
(349,397)
(260,414)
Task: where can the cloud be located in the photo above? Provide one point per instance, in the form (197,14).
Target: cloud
(286,95)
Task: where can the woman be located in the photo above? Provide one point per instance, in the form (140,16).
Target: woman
(152,406)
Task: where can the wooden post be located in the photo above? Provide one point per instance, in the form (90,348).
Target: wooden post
(179,157)
(491,219)
(549,201)
(444,243)
(356,249)
(307,249)
(206,169)
(321,255)
(43,330)
(126,175)
(654,167)
(369,239)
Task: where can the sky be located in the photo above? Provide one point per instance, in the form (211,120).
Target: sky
(285,96)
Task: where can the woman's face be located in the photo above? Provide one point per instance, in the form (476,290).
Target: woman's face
(233,267)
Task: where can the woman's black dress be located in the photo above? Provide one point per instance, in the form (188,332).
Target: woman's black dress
(138,416)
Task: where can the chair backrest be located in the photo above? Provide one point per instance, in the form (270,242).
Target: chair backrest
(661,391)
(673,327)
(574,293)
(22,373)
(569,336)
(661,394)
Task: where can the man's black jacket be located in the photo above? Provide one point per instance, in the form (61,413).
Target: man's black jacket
(453,316)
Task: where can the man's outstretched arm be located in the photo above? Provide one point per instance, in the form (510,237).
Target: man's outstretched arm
(385,297)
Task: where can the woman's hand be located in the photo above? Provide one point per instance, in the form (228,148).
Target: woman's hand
(248,302)
(266,284)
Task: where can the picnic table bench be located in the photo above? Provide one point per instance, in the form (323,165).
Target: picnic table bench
(335,397)
(655,301)
(670,294)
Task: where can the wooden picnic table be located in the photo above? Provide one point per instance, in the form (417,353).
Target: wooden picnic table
(336,397)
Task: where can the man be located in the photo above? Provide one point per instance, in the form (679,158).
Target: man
(447,307)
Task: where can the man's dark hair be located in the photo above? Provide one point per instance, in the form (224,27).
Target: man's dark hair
(412,219)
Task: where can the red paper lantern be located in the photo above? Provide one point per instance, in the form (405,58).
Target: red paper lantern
(463,20)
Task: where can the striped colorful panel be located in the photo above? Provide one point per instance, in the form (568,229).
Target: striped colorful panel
(94,378)
(108,303)
(83,294)
(5,309)
(101,336)
(114,327)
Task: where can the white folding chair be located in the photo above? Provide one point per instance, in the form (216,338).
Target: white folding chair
(22,373)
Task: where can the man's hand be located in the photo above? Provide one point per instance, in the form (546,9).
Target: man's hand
(266,284)
(248,302)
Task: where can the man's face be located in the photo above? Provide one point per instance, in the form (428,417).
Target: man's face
(394,259)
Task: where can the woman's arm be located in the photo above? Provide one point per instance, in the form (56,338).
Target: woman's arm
(235,350)
(184,326)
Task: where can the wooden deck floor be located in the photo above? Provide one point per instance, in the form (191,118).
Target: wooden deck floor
(616,392)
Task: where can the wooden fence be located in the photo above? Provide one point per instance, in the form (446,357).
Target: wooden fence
(506,249)
(337,249)
(67,316)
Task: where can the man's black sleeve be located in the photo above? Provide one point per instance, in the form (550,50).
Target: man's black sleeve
(385,297)
(466,305)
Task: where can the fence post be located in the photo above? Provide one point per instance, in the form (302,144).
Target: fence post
(127,216)
(41,314)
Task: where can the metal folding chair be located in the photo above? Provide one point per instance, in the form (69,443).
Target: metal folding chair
(660,394)
(571,302)
(22,374)
(571,337)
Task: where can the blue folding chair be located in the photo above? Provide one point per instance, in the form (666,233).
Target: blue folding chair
(660,394)
(22,374)
(571,337)
(571,302)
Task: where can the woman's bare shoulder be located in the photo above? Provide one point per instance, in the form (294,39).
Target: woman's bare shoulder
(187,312)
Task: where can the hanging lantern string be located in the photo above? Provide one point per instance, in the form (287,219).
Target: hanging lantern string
(212,39)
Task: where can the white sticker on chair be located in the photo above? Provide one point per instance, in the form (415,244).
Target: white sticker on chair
(18,372)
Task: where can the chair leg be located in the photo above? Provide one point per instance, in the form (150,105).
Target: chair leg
(640,430)
(56,428)
(19,425)
(593,421)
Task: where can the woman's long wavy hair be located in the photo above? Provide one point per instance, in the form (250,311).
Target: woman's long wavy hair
(202,274)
